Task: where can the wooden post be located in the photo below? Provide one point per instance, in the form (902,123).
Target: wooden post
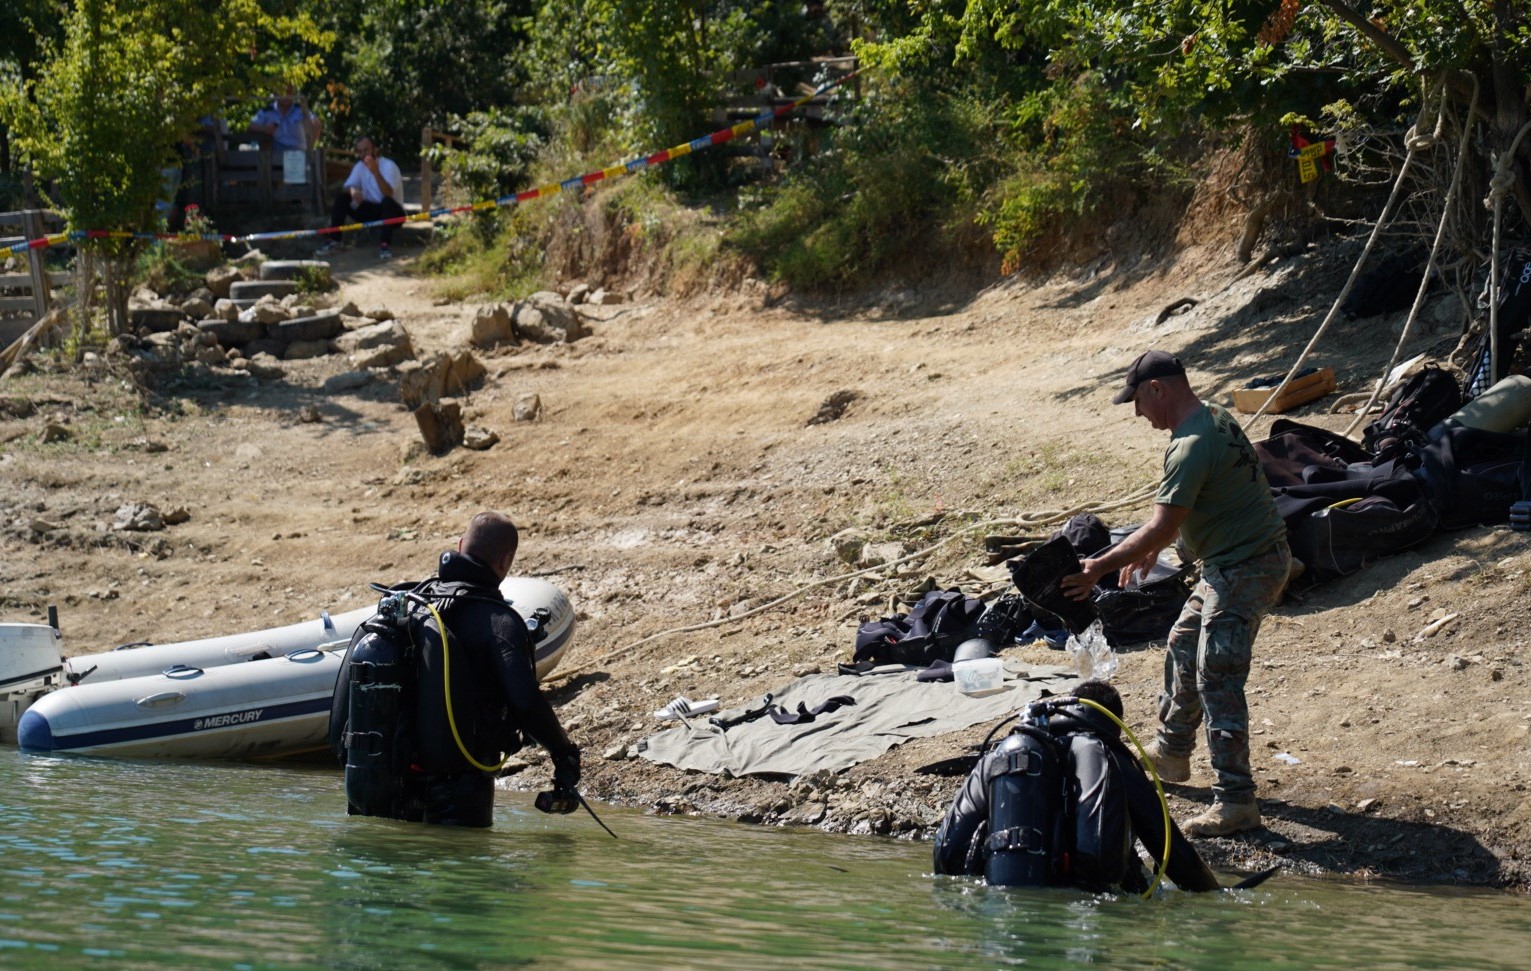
(42,291)
(424,170)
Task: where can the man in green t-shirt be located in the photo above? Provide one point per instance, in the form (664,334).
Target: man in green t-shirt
(1215,497)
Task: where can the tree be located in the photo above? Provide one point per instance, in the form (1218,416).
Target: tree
(109,104)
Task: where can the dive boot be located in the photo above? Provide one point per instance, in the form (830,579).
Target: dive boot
(1171,768)
(1225,818)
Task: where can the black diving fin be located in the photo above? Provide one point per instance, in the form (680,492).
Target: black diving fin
(1255,879)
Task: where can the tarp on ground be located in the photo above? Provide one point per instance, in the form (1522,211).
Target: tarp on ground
(891,707)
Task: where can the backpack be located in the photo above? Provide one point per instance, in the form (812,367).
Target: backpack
(1426,399)
(930,631)
(1472,476)
(1340,537)
(1145,611)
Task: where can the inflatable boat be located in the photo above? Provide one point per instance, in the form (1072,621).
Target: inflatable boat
(264,694)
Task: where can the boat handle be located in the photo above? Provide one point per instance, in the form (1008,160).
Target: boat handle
(182,671)
(162,700)
(304,654)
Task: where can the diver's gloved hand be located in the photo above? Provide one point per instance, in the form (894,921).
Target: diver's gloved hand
(566,769)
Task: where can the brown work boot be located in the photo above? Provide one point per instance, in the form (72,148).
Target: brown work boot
(1171,768)
(1225,818)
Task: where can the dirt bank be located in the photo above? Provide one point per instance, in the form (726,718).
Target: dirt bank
(674,478)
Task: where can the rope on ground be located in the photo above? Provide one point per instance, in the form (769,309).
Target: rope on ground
(1035,519)
(1435,249)
(1415,143)
(1498,187)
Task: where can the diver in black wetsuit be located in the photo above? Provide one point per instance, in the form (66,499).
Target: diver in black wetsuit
(1059,802)
(460,705)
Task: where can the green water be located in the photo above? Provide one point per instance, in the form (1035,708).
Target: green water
(162,865)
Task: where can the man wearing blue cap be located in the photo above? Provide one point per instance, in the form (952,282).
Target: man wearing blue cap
(1215,497)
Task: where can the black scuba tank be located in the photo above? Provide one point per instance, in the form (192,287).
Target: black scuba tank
(1025,780)
(379,679)
(1101,851)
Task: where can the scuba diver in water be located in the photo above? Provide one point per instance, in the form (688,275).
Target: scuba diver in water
(1058,803)
(437,689)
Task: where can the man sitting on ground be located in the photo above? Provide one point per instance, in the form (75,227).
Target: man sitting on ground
(374,190)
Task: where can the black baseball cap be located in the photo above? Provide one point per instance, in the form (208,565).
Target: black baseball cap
(1148,366)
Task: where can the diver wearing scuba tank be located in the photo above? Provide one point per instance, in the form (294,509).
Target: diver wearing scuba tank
(1059,802)
(460,702)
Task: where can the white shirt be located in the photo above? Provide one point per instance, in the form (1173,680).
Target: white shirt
(362,178)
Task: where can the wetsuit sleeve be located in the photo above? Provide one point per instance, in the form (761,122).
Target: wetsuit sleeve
(1186,866)
(953,852)
(515,666)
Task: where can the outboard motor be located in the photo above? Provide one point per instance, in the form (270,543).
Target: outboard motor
(379,679)
(1025,781)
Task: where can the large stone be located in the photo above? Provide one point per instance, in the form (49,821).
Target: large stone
(479,439)
(265,367)
(220,278)
(346,381)
(579,292)
(528,407)
(491,325)
(262,288)
(379,345)
(381,357)
(545,321)
(440,424)
(424,382)
(316,270)
(265,313)
(604,298)
(226,309)
(196,308)
(138,517)
(156,319)
(230,333)
(321,326)
(303,350)
(389,333)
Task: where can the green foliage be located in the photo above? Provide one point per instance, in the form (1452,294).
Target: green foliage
(314,279)
(113,98)
(407,64)
(159,267)
(501,145)
(908,161)
(1070,147)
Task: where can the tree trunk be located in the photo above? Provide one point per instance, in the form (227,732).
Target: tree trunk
(116,281)
(1509,105)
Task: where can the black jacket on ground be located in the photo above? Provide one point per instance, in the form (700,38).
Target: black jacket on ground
(1101,777)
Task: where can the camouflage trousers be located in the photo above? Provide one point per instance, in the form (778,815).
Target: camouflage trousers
(1206,665)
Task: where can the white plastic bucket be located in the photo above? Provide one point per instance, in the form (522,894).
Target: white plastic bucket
(981,676)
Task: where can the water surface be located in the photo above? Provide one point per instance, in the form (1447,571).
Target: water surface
(118,864)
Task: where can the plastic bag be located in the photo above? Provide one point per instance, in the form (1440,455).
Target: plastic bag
(1092,654)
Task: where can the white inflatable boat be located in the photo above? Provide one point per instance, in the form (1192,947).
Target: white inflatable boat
(264,694)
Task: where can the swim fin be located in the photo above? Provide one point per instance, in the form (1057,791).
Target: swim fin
(1255,879)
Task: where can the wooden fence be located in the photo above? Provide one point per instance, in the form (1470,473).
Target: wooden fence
(25,297)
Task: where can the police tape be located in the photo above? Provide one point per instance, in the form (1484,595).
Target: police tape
(760,122)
